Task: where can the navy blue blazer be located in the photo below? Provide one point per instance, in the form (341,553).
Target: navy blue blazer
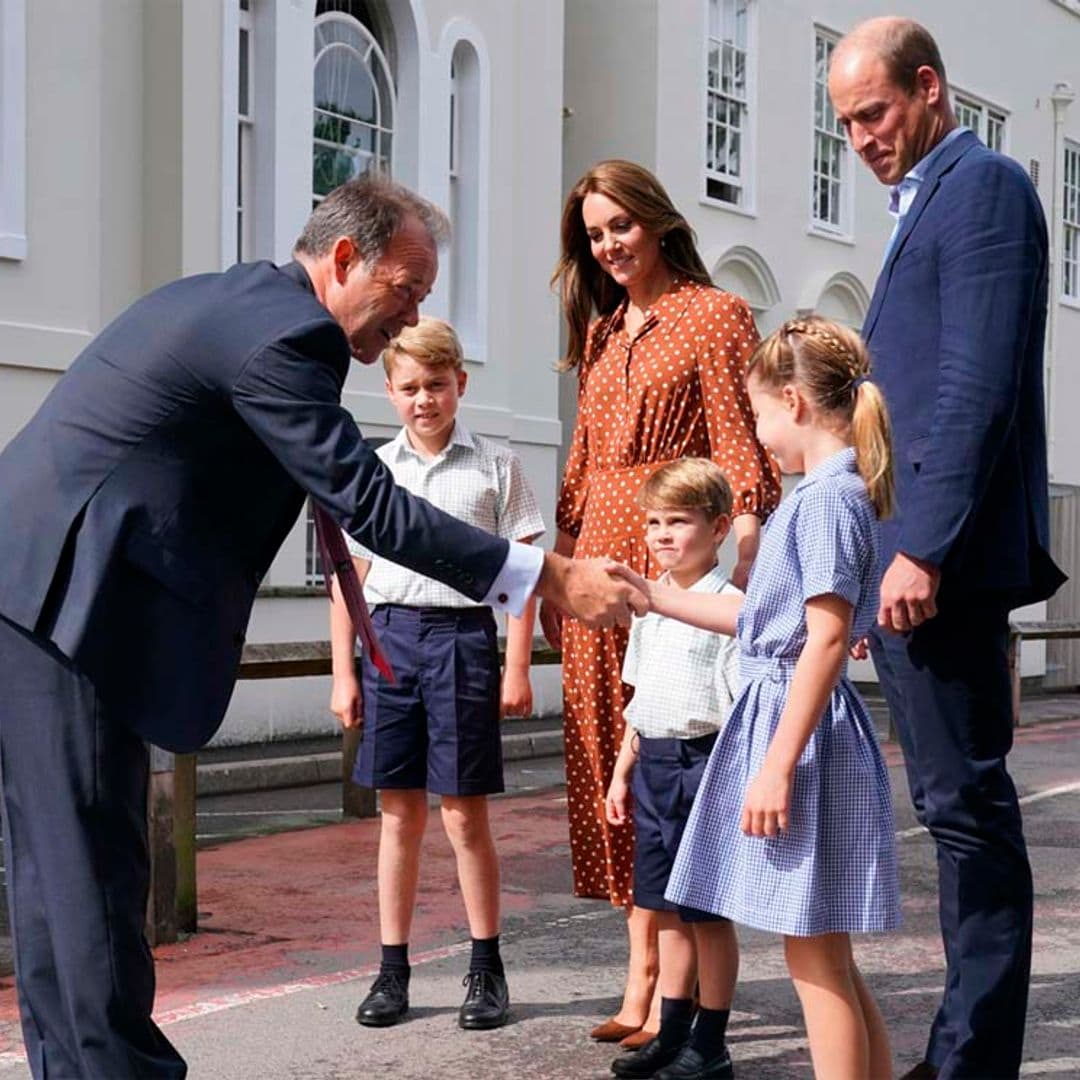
(955,330)
(145,500)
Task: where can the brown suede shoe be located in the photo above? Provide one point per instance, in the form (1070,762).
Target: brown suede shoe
(638,1039)
(611,1031)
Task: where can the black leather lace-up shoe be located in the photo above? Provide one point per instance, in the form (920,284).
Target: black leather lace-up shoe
(387,1001)
(487,1001)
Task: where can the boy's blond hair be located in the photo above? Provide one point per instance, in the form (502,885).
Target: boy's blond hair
(689,483)
(431,342)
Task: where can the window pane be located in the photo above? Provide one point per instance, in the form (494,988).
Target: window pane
(245,45)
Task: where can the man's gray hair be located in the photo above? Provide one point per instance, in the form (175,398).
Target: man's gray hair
(369,210)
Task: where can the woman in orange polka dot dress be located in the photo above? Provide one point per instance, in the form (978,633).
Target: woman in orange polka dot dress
(660,376)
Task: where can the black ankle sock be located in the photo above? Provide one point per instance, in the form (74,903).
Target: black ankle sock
(709,1030)
(395,960)
(485,955)
(675,1017)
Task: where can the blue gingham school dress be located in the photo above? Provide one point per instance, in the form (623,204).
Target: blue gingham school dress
(834,869)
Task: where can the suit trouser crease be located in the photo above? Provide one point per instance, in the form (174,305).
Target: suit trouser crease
(948,690)
(74,792)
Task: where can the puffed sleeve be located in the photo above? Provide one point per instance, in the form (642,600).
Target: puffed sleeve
(570,509)
(835,544)
(753,474)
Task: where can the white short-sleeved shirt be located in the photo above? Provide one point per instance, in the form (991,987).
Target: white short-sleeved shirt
(685,679)
(476,480)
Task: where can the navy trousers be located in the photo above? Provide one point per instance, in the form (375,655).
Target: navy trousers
(74,797)
(947,686)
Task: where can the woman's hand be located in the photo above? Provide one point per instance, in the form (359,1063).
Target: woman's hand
(517,697)
(551,618)
(617,803)
(740,574)
(346,701)
(766,804)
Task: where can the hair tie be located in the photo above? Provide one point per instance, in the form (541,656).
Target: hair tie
(858,381)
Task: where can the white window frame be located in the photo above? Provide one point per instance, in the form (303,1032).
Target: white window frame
(245,137)
(971,107)
(1070,224)
(842,230)
(13,243)
(744,183)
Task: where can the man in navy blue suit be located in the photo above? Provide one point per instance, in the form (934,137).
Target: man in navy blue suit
(142,505)
(955,328)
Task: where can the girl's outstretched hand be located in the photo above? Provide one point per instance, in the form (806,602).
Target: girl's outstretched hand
(617,569)
(765,806)
(860,650)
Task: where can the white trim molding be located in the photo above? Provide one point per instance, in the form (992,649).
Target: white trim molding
(850,291)
(13,243)
(750,266)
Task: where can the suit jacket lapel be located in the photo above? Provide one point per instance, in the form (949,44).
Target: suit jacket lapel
(927,189)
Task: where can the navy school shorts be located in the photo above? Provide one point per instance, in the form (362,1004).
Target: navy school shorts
(438,726)
(664,782)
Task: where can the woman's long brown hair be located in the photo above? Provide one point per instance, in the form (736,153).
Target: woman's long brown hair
(583,285)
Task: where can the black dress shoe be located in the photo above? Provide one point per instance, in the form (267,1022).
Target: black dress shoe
(487,1001)
(387,1001)
(647,1061)
(923,1071)
(690,1065)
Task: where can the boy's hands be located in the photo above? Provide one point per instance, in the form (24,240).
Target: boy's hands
(766,803)
(617,803)
(346,701)
(516,696)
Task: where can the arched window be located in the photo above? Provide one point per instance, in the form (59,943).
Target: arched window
(354,103)
(464,167)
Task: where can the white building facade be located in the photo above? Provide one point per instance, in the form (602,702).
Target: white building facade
(145,139)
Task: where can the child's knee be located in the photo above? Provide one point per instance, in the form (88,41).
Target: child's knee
(465,819)
(403,814)
(825,958)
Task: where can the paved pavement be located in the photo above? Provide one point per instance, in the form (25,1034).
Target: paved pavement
(288,942)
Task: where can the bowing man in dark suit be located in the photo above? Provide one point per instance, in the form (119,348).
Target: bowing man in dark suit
(143,504)
(955,328)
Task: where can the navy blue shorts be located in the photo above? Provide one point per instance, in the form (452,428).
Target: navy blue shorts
(438,727)
(664,782)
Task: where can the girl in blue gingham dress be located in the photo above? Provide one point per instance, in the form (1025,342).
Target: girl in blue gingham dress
(792,828)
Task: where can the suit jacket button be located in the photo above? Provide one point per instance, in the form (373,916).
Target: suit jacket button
(503,598)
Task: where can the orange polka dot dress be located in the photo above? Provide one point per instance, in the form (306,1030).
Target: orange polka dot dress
(674,390)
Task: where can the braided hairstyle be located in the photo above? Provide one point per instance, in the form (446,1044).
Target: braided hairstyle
(831,365)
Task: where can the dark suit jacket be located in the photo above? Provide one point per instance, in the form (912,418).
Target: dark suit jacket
(955,330)
(145,500)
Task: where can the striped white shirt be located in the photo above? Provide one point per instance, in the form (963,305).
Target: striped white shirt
(476,480)
(685,679)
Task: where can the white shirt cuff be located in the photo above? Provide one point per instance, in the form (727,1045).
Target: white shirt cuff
(517,579)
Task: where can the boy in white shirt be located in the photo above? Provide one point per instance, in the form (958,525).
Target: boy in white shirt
(437,728)
(685,681)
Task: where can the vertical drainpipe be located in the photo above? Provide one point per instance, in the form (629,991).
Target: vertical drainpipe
(1061,98)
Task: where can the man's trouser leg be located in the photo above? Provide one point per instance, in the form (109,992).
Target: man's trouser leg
(74,792)
(947,686)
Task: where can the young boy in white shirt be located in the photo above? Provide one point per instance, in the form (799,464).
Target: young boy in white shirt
(685,681)
(437,728)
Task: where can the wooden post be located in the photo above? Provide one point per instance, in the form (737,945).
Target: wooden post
(356,801)
(161,903)
(184,842)
(1013,657)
